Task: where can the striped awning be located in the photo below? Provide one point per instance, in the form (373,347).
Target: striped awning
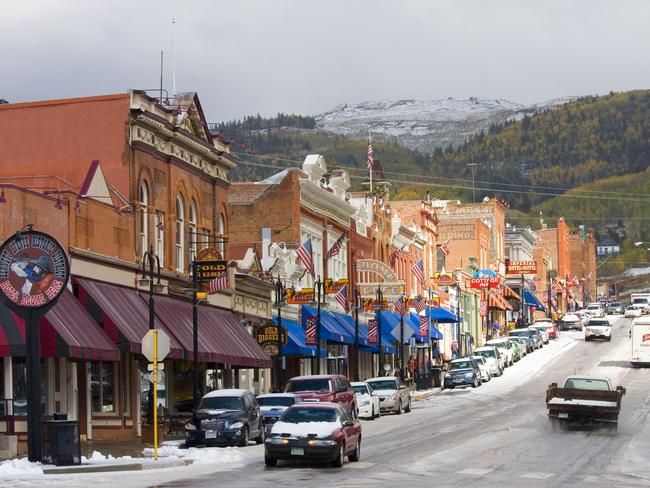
(66,330)
(498,302)
(124,314)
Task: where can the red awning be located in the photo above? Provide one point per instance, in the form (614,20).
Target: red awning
(221,338)
(498,302)
(67,330)
(124,314)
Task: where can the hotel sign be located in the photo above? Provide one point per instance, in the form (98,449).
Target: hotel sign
(521,267)
(298,297)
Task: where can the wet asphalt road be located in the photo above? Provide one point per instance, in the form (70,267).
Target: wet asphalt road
(496,435)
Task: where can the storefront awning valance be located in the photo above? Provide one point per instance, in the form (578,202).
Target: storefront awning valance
(295,345)
(530,299)
(123,313)
(441,315)
(347,322)
(510,293)
(67,330)
(330,329)
(498,302)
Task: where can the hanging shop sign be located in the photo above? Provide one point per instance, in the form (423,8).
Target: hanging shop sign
(372,304)
(484,282)
(271,338)
(300,297)
(34,270)
(332,286)
(424,327)
(206,271)
(521,267)
(310,330)
(444,279)
(209,254)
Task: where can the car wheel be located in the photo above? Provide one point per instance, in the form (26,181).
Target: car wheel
(340,459)
(243,442)
(475,384)
(373,416)
(190,443)
(356,455)
(450,387)
(399,408)
(260,438)
(408,407)
(270,461)
(609,339)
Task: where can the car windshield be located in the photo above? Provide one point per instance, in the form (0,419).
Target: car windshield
(587,384)
(279,401)
(297,415)
(599,323)
(308,384)
(221,403)
(363,389)
(500,345)
(461,365)
(485,354)
(383,385)
(614,304)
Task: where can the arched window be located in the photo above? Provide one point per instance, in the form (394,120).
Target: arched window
(144,217)
(222,231)
(180,234)
(193,234)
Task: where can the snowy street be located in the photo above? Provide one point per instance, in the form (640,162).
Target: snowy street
(497,434)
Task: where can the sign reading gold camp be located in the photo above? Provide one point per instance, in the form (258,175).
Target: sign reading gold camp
(271,338)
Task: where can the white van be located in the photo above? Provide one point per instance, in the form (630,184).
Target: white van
(640,333)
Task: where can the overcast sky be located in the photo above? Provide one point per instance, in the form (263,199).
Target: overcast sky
(306,56)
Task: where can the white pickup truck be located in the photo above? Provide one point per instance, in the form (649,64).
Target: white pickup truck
(585,399)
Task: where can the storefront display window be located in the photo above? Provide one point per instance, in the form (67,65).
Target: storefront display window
(102,387)
(19,379)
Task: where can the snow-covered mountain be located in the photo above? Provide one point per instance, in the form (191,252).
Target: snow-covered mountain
(424,125)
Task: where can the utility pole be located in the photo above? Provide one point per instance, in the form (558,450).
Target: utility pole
(473,165)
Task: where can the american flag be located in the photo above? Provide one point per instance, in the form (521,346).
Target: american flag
(399,305)
(218,283)
(336,248)
(304,253)
(342,298)
(419,303)
(371,156)
(424,326)
(445,249)
(418,271)
(373,332)
(310,331)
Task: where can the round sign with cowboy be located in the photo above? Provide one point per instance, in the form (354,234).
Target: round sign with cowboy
(34,269)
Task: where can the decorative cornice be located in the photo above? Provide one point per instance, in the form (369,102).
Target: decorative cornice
(326,203)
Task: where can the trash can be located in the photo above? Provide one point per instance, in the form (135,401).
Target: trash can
(423,381)
(61,443)
(436,373)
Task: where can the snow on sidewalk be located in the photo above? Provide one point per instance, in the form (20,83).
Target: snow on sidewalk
(19,468)
(203,455)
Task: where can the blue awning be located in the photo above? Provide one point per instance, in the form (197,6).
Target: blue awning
(330,328)
(442,315)
(295,345)
(414,323)
(530,299)
(347,322)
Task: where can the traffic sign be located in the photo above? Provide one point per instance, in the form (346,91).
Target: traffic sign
(163,345)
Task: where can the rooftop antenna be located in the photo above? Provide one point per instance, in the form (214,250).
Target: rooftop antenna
(161,77)
(173,59)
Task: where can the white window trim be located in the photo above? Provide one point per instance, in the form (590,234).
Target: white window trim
(180,234)
(144,217)
(160,237)
(193,235)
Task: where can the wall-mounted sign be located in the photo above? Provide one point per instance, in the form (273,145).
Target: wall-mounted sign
(206,271)
(34,269)
(484,283)
(371,304)
(310,330)
(271,337)
(444,279)
(373,332)
(521,267)
(298,297)
(209,254)
(332,286)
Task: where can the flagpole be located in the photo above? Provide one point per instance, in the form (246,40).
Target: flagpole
(371,165)
(356,334)
(401,335)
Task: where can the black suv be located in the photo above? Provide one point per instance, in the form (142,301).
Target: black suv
(226,417)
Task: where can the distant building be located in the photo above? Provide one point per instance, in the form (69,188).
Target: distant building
(607,246)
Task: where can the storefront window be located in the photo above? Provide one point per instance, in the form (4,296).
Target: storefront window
(19,379)
(102,387)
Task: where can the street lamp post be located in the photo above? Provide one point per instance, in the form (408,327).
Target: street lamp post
(196,397)
(318,285)
(378,310)
(279,303)
(151,268)
(356,334)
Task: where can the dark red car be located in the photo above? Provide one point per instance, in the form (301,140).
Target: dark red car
(333,388)
(314,431)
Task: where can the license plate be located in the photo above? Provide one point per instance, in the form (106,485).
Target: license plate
(458,380)
(210,434)
(297,451)
(563,415)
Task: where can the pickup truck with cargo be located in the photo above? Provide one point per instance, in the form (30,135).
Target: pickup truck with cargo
(585,400)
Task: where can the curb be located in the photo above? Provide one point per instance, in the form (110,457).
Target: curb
(107,468)
(418,397)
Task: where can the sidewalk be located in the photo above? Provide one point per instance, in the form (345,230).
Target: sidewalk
(419,395)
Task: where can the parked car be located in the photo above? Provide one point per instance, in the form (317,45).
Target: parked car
(321,431)
(598,329)
(463,372)
(225,417)
(517,353)
(273,406)
(596,310)
(615,308)
(531,333)
(494,359)
(526,344)
(551,328)
(570,321)
(542,331)
(367,400)
(505,348)
(634,311)
(483,368)
(333,388)
(393,394)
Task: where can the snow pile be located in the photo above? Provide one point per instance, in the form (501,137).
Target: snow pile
(19,468)
(636,272)
(98,458)
(205,455)
(320,429)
